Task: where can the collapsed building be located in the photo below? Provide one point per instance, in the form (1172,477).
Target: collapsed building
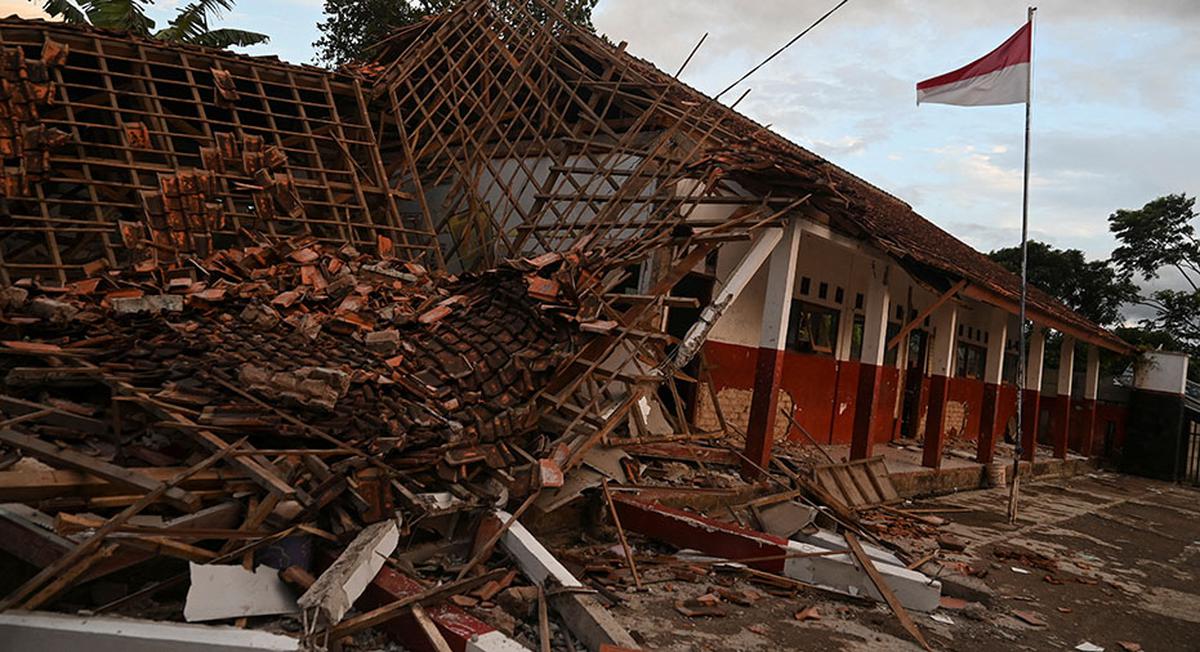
(285,303)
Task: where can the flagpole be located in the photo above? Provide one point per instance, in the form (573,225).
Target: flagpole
(1021,360)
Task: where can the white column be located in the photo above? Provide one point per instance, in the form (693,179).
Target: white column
(1091,379)
(997,336)
(1034,359)
(764,244)
(777,307)
(1066,364)
(945,337)
(781,283)
(876,305)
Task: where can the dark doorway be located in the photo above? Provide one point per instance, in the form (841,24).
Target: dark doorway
(679,319)
(914,377)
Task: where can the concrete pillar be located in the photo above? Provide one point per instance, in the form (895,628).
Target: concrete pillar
(1091,389)
(777,306)
(1060,419)
(1031,394)
(993,375)
(867,407)
(945,340)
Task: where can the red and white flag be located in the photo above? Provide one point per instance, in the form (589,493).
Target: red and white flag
(998,77)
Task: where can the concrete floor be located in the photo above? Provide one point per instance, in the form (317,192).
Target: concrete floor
(1124,555)
(907,459)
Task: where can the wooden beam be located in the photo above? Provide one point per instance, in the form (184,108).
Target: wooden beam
(56,417)
(886,591)
(429,628)
(1041,317)
(54,578)
(924,314)
(55,484)
(53,454)
(387,612)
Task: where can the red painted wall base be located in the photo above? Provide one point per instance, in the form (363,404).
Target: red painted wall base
(935,423)
(1029,426)
(866,407)
(1060,425)
(989,425)
(760,433)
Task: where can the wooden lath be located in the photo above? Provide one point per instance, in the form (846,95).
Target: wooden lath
(138,111)
(521,134)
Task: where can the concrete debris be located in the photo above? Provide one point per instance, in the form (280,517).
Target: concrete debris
(221,592)
(586,618)
(336,590)
(51,631)
(150,304)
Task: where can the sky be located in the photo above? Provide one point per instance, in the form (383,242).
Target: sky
(1116,110)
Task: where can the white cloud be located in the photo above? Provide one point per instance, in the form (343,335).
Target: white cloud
(1116,100)
(22,9)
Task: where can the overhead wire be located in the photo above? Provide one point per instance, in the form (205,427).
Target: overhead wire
(781,50)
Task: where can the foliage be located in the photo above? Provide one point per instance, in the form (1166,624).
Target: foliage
(1095,289)
(1157,237)
(190,24)
(351,27)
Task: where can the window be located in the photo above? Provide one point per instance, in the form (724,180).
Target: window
(857,330)
(890,356)
(812,328)
(970,360)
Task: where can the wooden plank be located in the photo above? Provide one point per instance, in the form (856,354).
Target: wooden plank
(886,591)
(854,498)
(882,479)
(55,578)
(921,316)
(53,454)
(259,469)
(831,487)
(543,620)
(58,417)
(387,612)
(429,628)
(862,481)
(30,486)
(612,510)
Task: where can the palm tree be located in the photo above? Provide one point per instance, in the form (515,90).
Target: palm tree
(190,25)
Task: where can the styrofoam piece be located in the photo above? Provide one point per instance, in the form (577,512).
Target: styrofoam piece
(839,572)
(221,591)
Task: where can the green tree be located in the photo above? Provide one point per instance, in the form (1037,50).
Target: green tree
(190,24)
(351,27)
(1093,288)
(1156,237)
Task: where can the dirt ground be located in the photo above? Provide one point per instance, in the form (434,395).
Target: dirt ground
(1110,559)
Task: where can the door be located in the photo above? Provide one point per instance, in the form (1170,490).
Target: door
(1192,461)
(914,377)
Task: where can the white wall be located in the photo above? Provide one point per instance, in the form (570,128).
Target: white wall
(1161,371)
(824,260)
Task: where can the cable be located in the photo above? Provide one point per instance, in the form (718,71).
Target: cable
(780,50)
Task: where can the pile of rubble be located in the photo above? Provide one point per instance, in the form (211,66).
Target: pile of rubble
(334,435)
